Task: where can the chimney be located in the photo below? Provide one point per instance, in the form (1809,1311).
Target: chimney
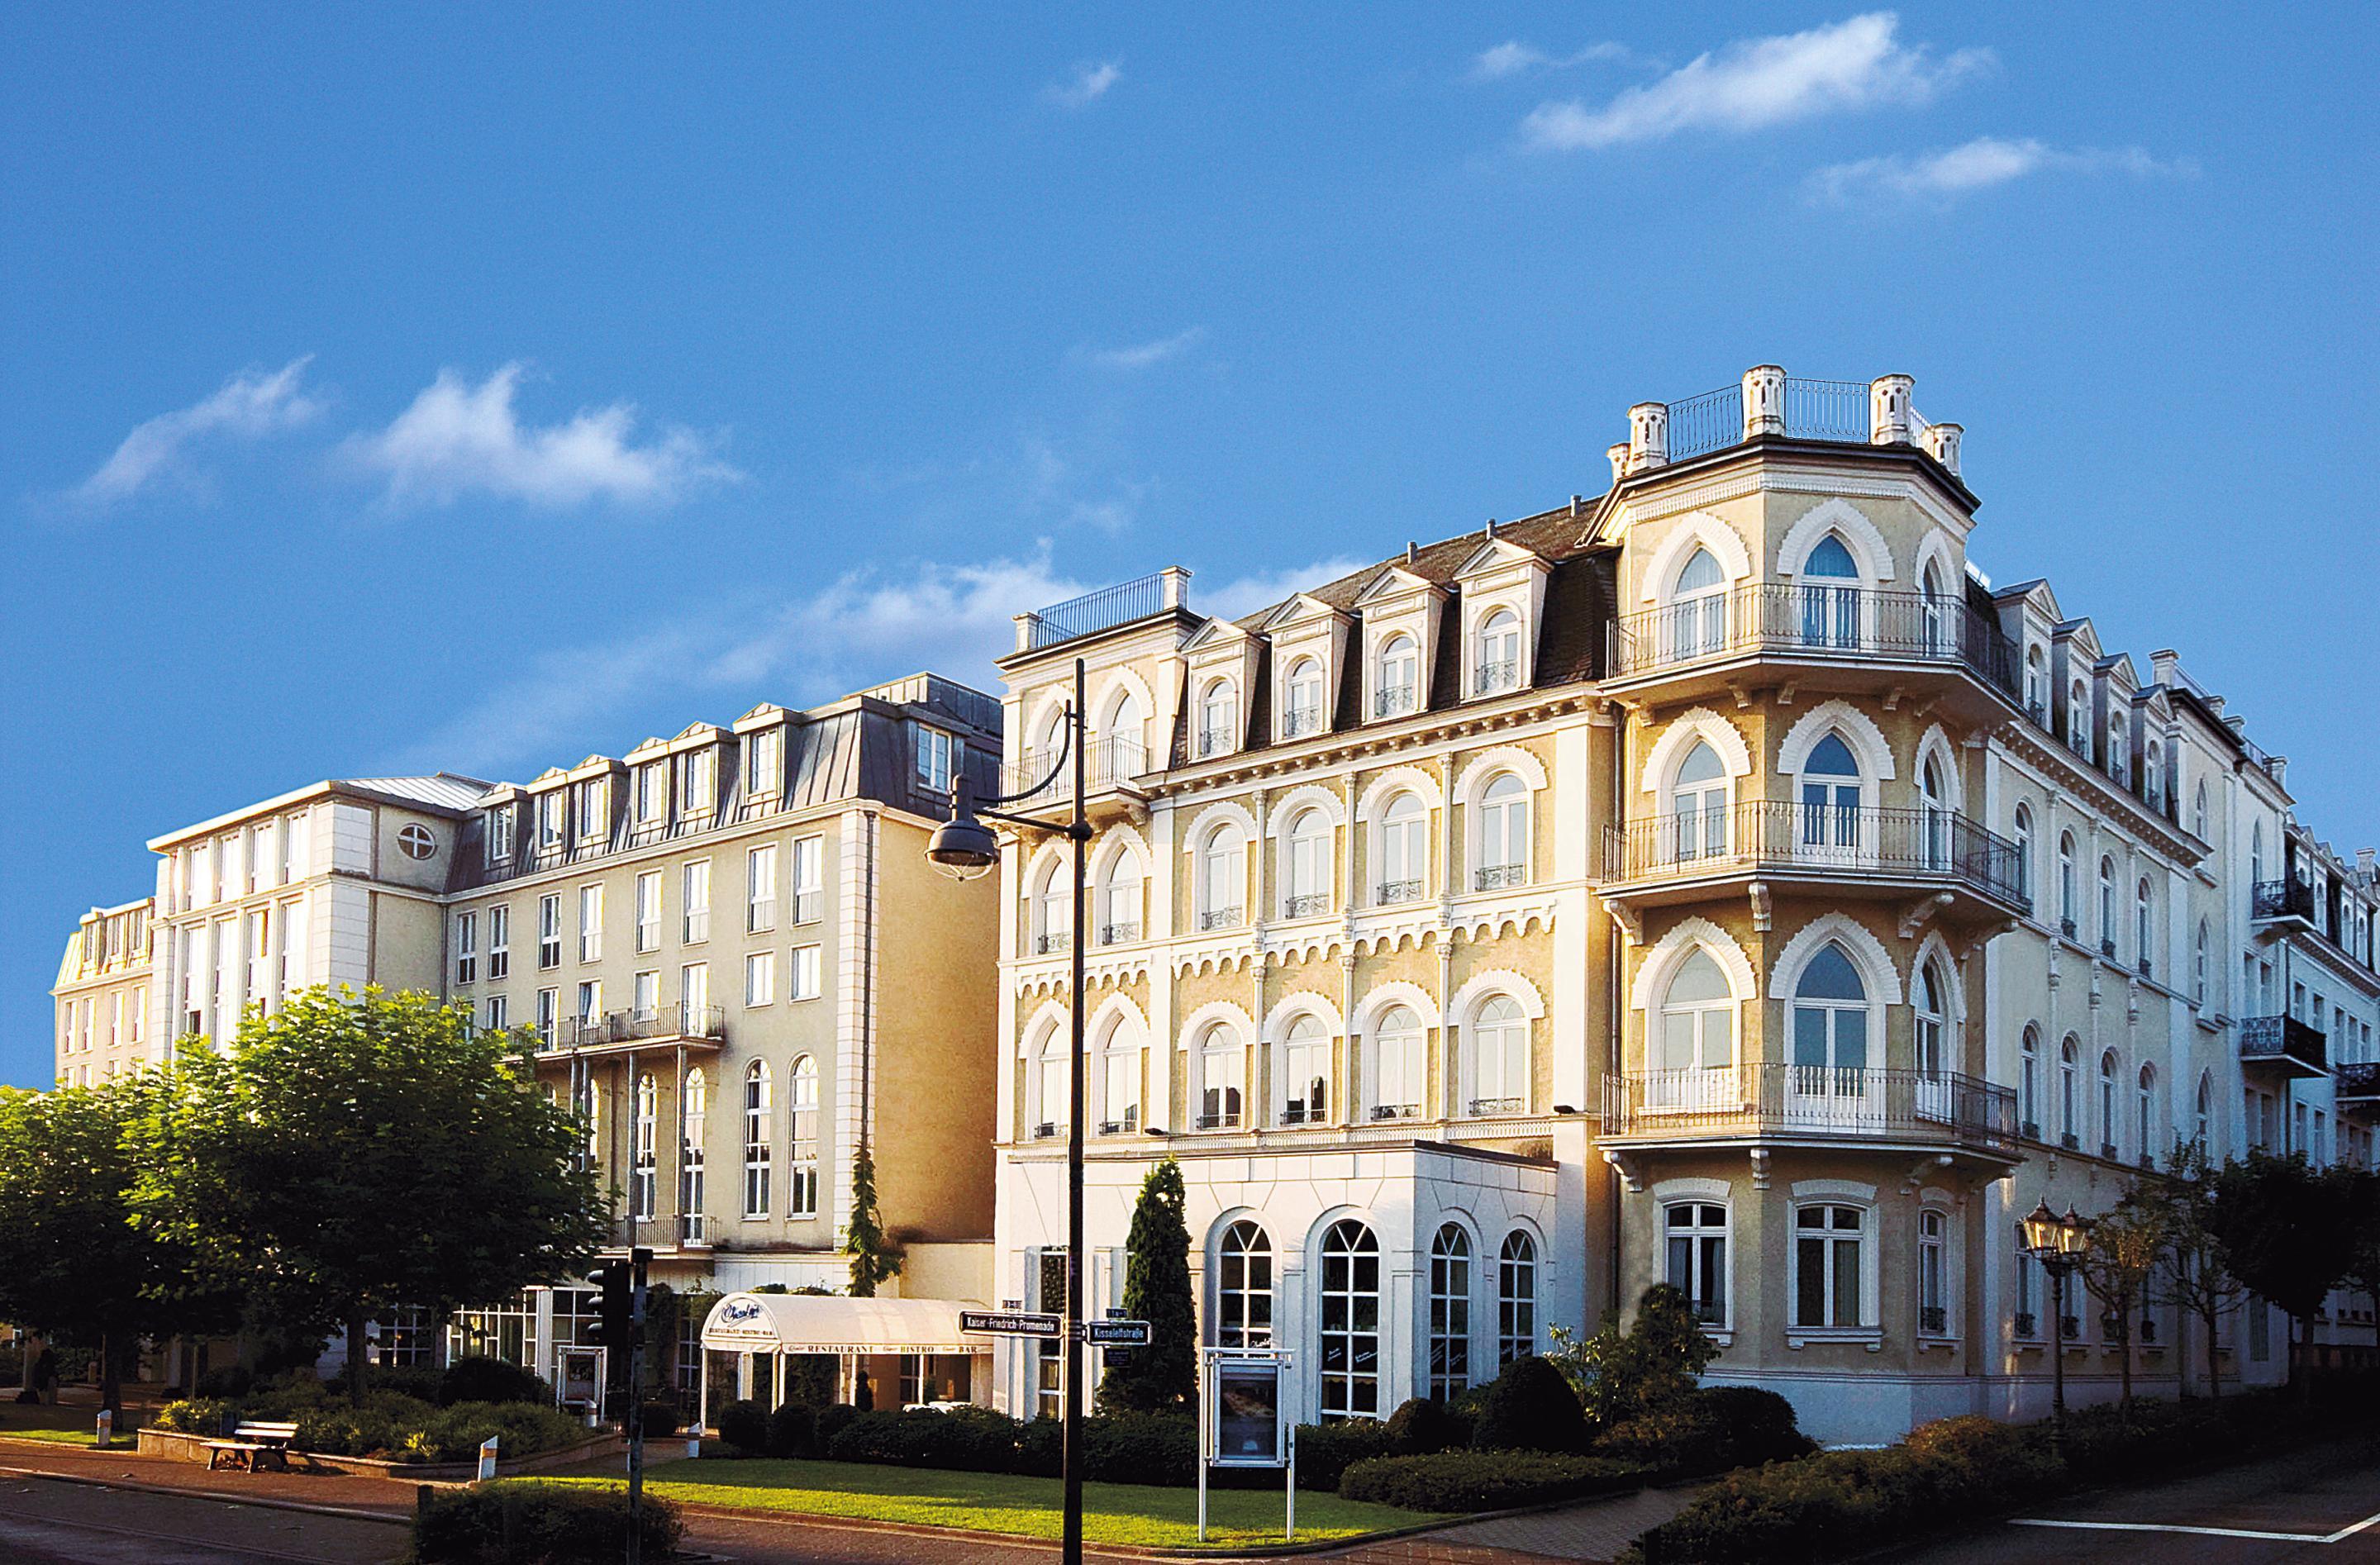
(1887,409)
(1026,623)
(1492,527)
(1763,401)
(1176,586)
(1648,435)
(1577,503)
(1413,554)
(2363,863)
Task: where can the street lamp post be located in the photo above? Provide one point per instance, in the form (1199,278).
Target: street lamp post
(2058,1244)
(965,848)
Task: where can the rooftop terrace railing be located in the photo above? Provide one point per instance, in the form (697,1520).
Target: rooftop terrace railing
(1827,410)
(1120,604)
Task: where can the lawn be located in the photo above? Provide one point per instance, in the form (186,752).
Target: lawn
(83,1436)
(999,1503)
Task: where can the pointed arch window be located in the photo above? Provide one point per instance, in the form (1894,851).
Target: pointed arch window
(1696,1034)
(1937,607)
(2066,889)
(2198,813)
(1831,1028)
(1449,1314)
(1696,618)
(1497,1057)
(2205,1119)
(1398,688)
(2029,1083)
(1301,702)
(1053,1086)
(2108,906)
(1698,805)
(1244,1287)
(2198,966)
(1223,1075)
(1499,667)
(1935,813)
(1305,1073)
(2144,1111)
(1831,798)
(2143,943)
(1348,1322)
(1935,1049)
(1830,595)
(1403,850)
(1399,1046)
(2024,878)
(1054,910)
(2108,1112)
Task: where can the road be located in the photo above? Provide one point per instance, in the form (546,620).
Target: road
(49,1522)
(2315,1506)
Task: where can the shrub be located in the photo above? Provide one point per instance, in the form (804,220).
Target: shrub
(745,1426)
(1756,1425)
(661,1419)
(832,1419)
(547,1526)
(1468,1480)
(793,1431)
(479,1378)
(191,1415)
(1141,1447)
(966,1439)
(1531,1407)
(1420,1425)
(1325,1451)
(454,1435)
(1708,1431)
(420,1381)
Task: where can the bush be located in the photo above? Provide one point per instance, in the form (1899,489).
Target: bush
(793,1431)
(200,1416)
(832,1419)
(1531,1407)
(966,1439)
(745,1426)
(661,1419)
(1756,1425)
(1421,1426)
(478,1379)
(1325,1451)
(1141,1447)
(1709,1431)
(548,1526)
(420,1381)
(1468,1480)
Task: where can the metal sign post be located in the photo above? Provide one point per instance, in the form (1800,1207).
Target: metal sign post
(1244,1421)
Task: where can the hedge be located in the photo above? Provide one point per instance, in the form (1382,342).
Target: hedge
(388,1426)
(1325,1451)
(546,1526)
(1468,1480)
(1710,1430)
(1531,1407)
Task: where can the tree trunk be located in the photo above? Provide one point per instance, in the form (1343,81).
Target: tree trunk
(359,1351)
(111,1384)
(2212,1317)
(2124,1333)
(27,1343)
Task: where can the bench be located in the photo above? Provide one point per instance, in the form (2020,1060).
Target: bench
(253,1446)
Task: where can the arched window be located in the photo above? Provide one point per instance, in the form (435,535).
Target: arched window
(1698,805)
(1120,900)
(2141,942)
(1499,653)
(2069,1107)
(1222,1073)
(1305,1073)
(1053,1084)
(1305,881)
(2152,774)
(802,1165)
(1830,1033)
(1516,1298)
(1053,909)
(2257,852)
(1696,618)
(1693,1237)
(2078,720)
(1404,850)
(1498,1066)
(2107,1121)
(1935,808)
(1302,699)
(2198,966)
(690,1154)
(2029,1083)
(1218,718)
(2066,905)
(2108,905)
(1398,1049)
(1695,1033)
(1223,878)
(2025,852)
(2205,1119)
(2145,1108)
(1449,1314)
(756,1139)
(2119,752)
(1243,1287)
(2037,685)
(1831,798)
(1830,595)
(1933,1056)
(1500,853)
(1118,1054)
(1126,736)
(1936,605)
(2198,813)
(641,1194)
(1399,677)
(1348,1322)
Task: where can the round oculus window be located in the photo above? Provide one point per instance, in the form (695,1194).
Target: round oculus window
(417,842)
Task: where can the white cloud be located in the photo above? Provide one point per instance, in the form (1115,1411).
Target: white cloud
(1140,356)
(869,625)
(1758,82)
(1975,166)
(458,439)
(1092,80)
(1514,59)
(249,405)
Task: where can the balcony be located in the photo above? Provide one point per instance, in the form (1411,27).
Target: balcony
(1705,642)
(1120,934)
(1054,942)
(2356,1084)
(1495,676)
(1499,876)
(1671,858)
(1311,905)
(1222,918)
(1300,723)
(1392,892)
(628,1032)
(1111,766)
(1095,611)
(1393,701)
(2285,1044)
(2277,900)
(1774,1101)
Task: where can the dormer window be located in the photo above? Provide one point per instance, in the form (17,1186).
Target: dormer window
(2078,720)
(1302,703)
(934,754)
(1498,666)
(653,795)
(2037,685)
(2116,758)
(699,781)
(549,820)
(1399,688)
(500,835)
(764,757)
(1218,718)
(591,801)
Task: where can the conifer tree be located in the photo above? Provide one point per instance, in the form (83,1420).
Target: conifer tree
(1164,1375)
(871,1260)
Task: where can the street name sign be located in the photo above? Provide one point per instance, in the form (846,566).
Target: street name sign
(1011,1323)
(1116,1333)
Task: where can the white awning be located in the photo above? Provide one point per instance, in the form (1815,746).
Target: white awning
(811,1323)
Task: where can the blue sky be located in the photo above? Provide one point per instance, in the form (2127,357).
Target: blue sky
(413,387)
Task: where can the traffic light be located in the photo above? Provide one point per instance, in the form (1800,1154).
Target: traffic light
(615,1313)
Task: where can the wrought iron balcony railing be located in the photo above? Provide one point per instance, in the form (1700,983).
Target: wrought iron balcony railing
(1396,1110)
(1222,918)
(2284,898)
(1120,604)
(1122,933)
(1392,700)
(636,1027)
(1394,892)
(2283,1040)
(1299,721)
(2357,1079)
(1826,1101)
(1499,876)
(1109,762)
(1054,942)
(1311,905)
(1215,741)
(1775,618)
(1483,1107)
(1488,678)
(1823,840)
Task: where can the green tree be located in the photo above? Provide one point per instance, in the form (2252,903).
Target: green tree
(2127,1243)
(348,1154)
(2284,1229)
(71,1262)
(872,1259)
(2196,1277)
(1624,1373)
(1164,1375)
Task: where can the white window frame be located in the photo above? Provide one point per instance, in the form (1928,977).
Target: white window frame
(649,910)
(590,922)
(760,979)
(805,973)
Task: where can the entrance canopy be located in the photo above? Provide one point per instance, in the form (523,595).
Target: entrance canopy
(810,1323)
